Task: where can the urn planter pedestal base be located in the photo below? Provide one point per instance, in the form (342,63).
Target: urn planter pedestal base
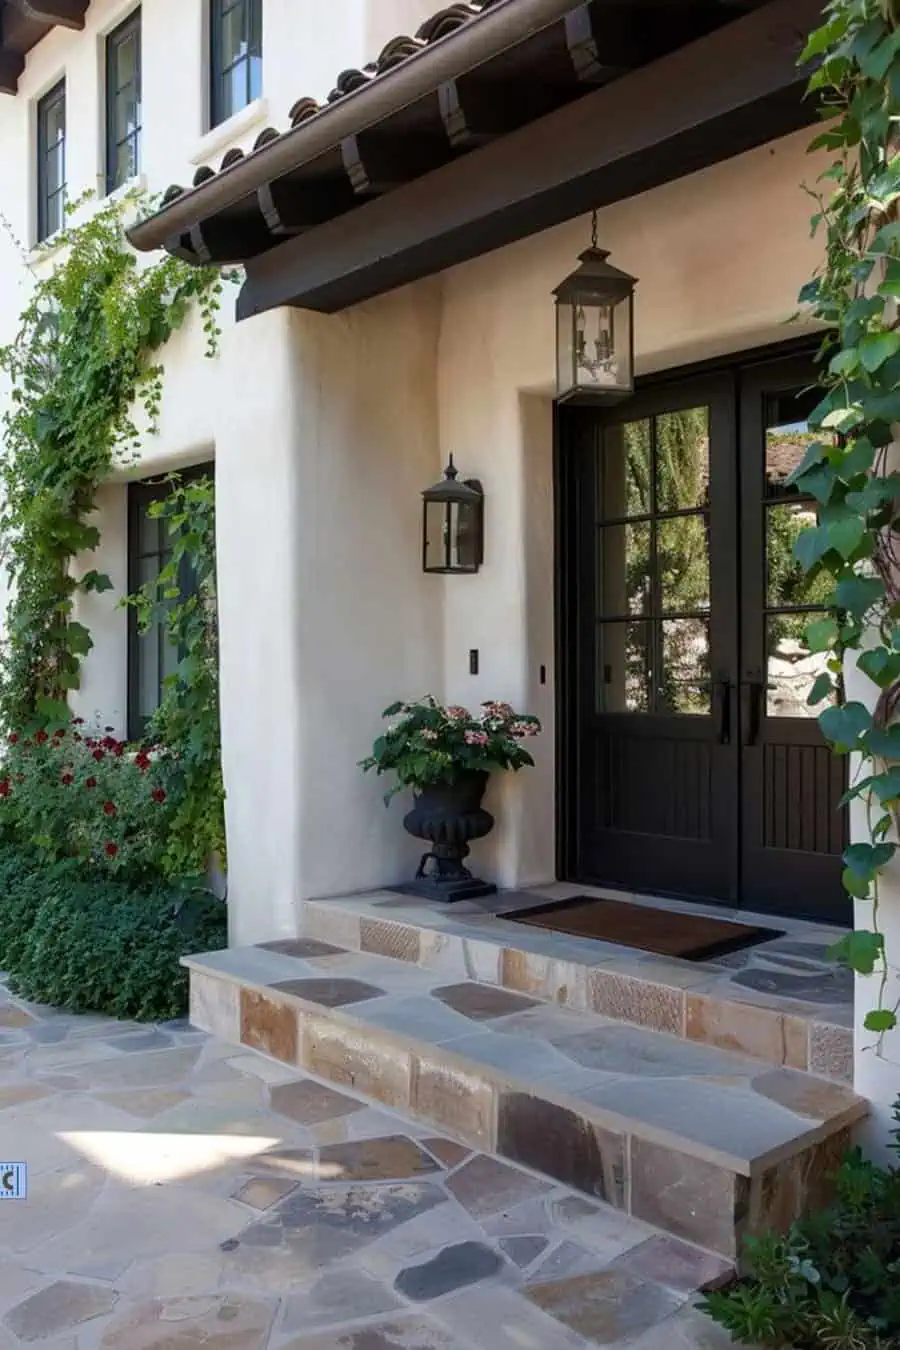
(448,891)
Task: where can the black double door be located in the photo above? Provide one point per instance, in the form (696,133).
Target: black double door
(692,763)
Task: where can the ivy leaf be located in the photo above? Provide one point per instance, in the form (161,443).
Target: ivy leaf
(880,1019)
(846,535)
(844,726)
(859,950)
(822,688)
(821,636)
(858,594)
(810,547)
(819,482)
(816,452)
(54,712)
(890,285)
(876,348)
(884,741)
(858,459)
(886,786)
(78,639)
(876,493)
(823,38)
(96,581)
(844,362)
(881,665)
(864,860)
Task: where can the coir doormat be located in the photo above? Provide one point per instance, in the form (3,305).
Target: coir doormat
(690,937)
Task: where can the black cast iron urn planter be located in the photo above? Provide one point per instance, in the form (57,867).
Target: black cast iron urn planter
(449,816)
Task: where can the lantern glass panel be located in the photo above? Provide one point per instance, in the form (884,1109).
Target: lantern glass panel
(436,536)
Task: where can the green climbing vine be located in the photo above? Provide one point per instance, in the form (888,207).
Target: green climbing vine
(183,598)
(851,467)
(82,366)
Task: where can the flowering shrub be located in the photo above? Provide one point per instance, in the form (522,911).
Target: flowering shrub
(73,794)
(435,744)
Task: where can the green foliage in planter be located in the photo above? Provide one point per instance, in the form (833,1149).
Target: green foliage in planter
(102,945)
(833,1283)
(187,720)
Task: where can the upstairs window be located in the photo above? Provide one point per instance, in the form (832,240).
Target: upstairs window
(51,165)
(236,56)
(123,102)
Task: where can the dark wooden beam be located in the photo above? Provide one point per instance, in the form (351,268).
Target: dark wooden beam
(226,241)
(66,13)
(377,162)
(11,66)
(475,111)
(293,208)
(734,89)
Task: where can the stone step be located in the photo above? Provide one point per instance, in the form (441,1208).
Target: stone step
(697,1001)
(699,1141)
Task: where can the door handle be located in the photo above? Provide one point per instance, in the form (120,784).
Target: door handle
(751,702)
(721,710)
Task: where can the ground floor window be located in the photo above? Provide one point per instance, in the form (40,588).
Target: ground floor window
(151,655)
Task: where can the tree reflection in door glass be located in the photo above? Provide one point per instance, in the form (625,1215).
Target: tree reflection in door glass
(682,459)
(684,679)
(623,664)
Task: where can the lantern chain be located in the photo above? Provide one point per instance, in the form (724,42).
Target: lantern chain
(594,229)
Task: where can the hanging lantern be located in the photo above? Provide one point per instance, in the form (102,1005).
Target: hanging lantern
(453,524)
(595,330)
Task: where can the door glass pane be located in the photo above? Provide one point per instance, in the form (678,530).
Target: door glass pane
(787,436)
(682,546)
(791,670)
(684,684)
(623,584)
(623,667)
(125,62)
(624,478)
(787,584)
(682,459)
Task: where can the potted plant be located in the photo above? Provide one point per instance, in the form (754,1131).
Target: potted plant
(445,755)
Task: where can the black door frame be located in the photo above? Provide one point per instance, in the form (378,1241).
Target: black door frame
(567,562)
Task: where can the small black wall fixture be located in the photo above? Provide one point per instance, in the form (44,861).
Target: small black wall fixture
(453,524)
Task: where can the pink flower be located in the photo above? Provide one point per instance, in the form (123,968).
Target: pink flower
(476,738)
(458,714)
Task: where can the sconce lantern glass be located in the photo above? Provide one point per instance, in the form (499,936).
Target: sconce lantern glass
(453,524)
(595,331)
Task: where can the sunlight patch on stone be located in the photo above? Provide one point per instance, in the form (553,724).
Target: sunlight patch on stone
(147,1158)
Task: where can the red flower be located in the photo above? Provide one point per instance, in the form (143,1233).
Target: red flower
(67,780)
(90,782)
(111,850)
(4,787)
(158,794)
(108,743)
(142,760)
(14,740)
(119,749)
(99,754)
(78,721)
(41,737)
(109,808)
(58,734)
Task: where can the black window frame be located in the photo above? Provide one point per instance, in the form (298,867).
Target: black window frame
(220,83)
(140,496)
(47,225)
(129,29)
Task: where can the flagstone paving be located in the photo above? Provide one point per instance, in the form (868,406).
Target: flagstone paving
(184,1195)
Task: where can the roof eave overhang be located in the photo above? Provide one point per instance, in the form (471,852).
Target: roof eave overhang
(23,23)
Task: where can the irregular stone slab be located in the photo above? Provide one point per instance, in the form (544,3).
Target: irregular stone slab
(263,1192)
(485,1186)
(447,1151)
(751,1029)
(491,1317)
(689,1329)
(665,1260)
(306,949)
(20,1093)
(147,1104)
(523,1251)
(11,1016)
(269,1026)
(158,1070)
(481,1002)
(568,1259)
(311,1103)
(562,1144)
(688,1196)
(453,1268)
(394,1158)
(410,1334)
(142,1040)
(834,986)
(217,1322)
(48,1033)
(606,1307)
(289,1162)
(341,1296)
(58,1308)
(323,1224)
(804,1095)
(330,993)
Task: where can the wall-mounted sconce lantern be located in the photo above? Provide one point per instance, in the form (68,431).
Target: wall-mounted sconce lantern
(453,524)
(595,330)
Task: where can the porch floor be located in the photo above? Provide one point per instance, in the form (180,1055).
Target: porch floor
(183,1191)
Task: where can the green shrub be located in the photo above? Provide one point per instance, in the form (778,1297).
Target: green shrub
(93,944)
(833,1282)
